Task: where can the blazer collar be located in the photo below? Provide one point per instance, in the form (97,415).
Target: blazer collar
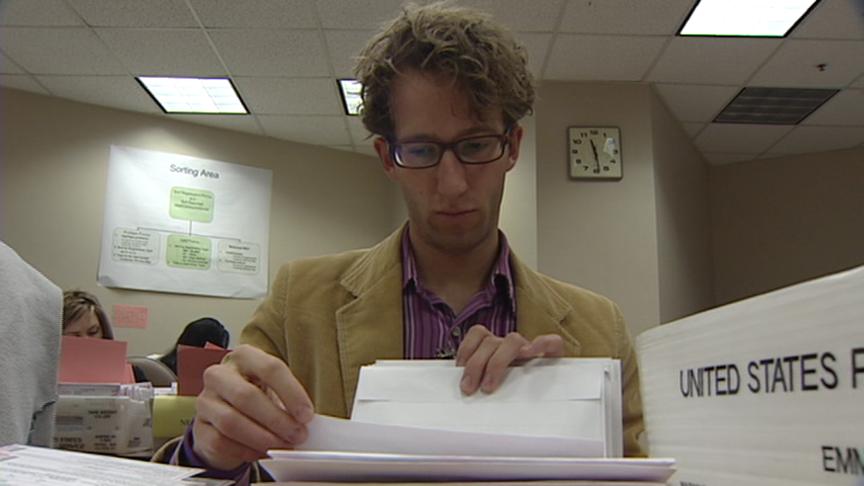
(539,309)
(369,327)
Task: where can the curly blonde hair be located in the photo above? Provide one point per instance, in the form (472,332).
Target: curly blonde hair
(481,57)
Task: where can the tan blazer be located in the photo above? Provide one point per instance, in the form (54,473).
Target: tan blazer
(328,316)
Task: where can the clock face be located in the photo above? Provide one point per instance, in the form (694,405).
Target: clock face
(595,152)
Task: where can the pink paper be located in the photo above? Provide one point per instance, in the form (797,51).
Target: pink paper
(191,363)
(209,345)
(128,374)
(135,316)
(90,360)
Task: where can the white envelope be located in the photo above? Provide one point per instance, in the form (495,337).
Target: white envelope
(566,397)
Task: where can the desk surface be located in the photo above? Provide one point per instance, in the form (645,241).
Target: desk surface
(475,483)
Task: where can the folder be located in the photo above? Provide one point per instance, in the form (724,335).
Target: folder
(88,360)
(171,415)
(191,363)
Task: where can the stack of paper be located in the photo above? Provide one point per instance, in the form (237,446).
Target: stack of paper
(550,420)
(768,391)
(20,465)
(575,398)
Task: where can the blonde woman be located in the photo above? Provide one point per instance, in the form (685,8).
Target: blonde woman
(83,316)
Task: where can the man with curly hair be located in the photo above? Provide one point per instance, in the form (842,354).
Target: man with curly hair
(443,91)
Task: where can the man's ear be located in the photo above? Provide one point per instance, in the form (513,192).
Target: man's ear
(514,145)
(383,150)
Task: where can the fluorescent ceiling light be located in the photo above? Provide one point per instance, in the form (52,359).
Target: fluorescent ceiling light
(746,18)
(194,95)
(350,91)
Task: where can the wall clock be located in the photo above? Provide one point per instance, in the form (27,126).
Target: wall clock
(594,153)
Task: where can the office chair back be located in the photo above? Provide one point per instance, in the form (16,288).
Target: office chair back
(154,370)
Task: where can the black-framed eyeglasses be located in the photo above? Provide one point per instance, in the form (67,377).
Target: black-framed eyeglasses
(472,150)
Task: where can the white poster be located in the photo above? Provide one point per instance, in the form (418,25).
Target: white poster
(175,223)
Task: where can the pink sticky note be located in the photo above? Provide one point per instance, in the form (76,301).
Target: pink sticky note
(130,316)
(191,363)
(90,360)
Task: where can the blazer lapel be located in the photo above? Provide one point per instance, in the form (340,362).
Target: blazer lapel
(539,310)
(369,327)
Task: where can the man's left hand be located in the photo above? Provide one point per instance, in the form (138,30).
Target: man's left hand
(486,356)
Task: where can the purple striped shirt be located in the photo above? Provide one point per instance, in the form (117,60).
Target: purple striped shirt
(432,329)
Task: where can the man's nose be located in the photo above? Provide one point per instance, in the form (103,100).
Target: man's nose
(452,176)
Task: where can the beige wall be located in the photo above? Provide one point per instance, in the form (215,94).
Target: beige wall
(600,235)
(780,221)
(54,157)
(685,270)
(53,169)
(645,241)
(519,204)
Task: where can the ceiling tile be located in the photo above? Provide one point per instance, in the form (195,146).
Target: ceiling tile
(819,139)
(739,138)
(359,134)
(22,82)
(58,51)
(632,17)
(120,92)
(37,12)
(343,46)
(167,52)
(833,19)
(135,13)
(7,66)
(795,64)
(542,16)
(720,158)
(844,108)
(608,58)
(315,130)
(256,13)
(367,150)
(290,96)
(237,123)
(272,52)
(536,46)
(344,148)
(711,61)
(357,14)
(696,103)
(693,129)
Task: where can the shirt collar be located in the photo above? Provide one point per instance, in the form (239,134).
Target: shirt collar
(501,277)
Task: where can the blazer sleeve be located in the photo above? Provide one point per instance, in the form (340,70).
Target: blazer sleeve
(266,329)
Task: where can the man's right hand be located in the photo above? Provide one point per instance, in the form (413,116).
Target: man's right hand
(249,404)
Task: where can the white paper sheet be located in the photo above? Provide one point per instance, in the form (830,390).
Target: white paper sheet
(359,467)
(335,434)
(20,465)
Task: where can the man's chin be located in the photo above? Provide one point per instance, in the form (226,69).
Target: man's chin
(456,240)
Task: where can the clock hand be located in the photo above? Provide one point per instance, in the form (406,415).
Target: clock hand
(596,159)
